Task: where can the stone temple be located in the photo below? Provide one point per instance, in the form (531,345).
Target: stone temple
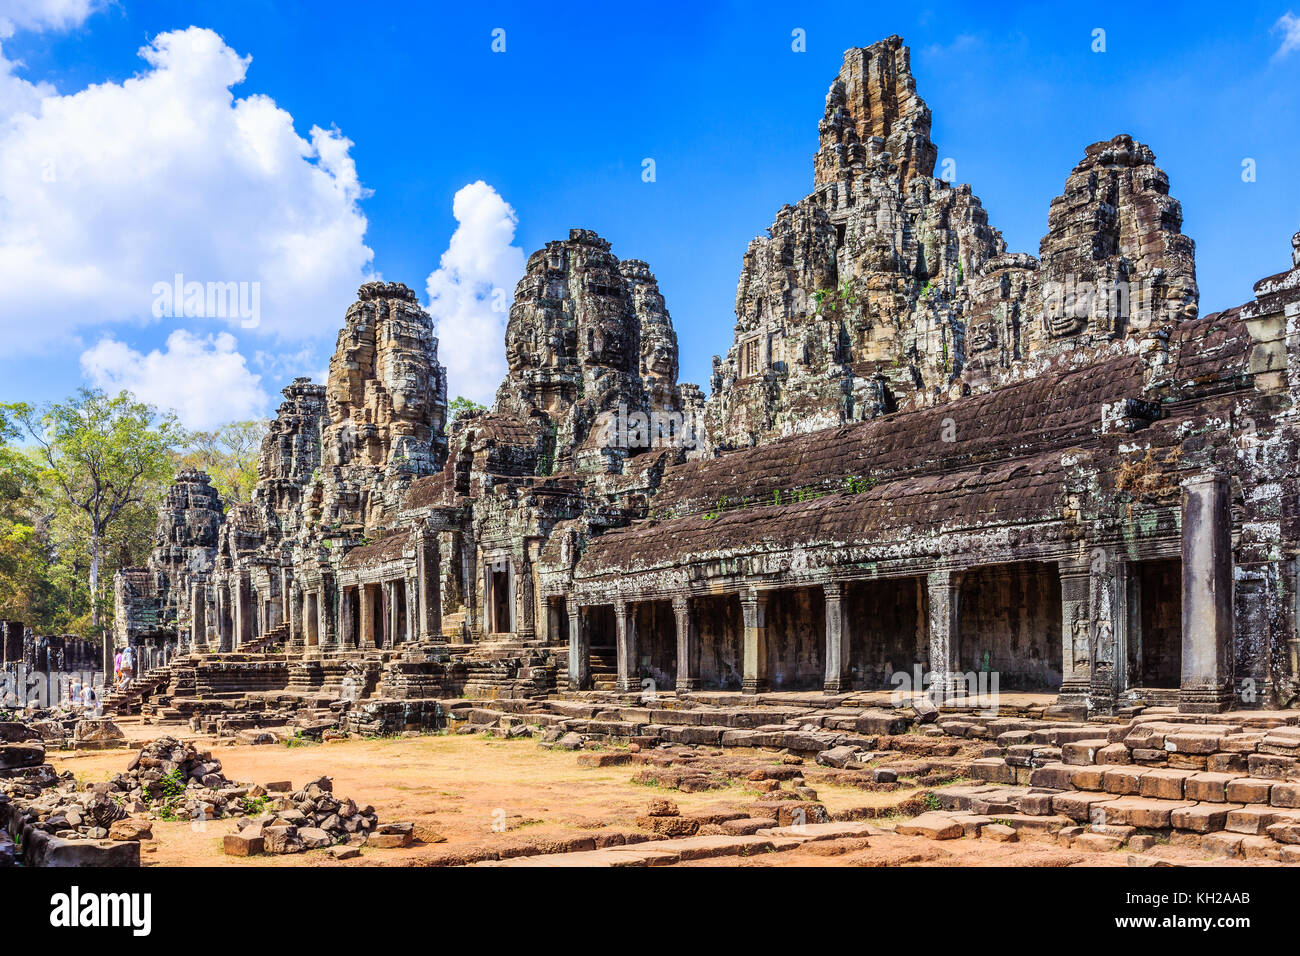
(920,453)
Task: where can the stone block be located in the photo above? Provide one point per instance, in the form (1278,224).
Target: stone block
(239,844)
(933,826)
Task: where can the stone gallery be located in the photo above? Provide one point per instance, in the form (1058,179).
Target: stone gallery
(921,455)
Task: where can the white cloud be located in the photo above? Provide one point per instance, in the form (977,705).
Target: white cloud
(471,290)
(202,378)
(44,14)
(107,191)
(1289,26)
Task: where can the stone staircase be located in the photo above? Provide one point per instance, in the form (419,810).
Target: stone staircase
(147,685)
(1228,784)
(276,637)
(603,668)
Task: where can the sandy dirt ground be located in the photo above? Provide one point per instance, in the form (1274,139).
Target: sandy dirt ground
(466,794)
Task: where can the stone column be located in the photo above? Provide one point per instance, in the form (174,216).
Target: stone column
(198,618)
(522,585)
(753,606)
(367,615)
(411,619)
(688,651)
(943,592)
(389,591)
(1108,629)
(225,639)
(468,576)
(428,571)
(1206,686)
(579,649)
(327,609)
(838,640)
(243,613)
(310,633)
(347,629)
(297,636)
(1075,625)
(629,681)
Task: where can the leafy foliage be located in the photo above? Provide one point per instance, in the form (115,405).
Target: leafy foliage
(458,406)
(229,456)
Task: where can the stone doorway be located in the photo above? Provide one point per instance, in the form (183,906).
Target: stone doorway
(721,638)
(1155,644)
(1010,624)
(796,639)
(500,612)
(886,628)
(656,642)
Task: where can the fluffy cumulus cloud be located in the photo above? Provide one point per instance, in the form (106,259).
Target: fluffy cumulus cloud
(1289,26)
(44,14)
(203,378)
(110,191)
(471,290)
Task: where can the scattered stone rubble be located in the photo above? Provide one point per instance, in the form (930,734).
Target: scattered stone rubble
(62,823)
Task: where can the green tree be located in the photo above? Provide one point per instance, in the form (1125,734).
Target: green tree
(25,589)
(458,406)
(102,458)
(229,456)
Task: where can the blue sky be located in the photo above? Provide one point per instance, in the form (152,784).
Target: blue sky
(558,126)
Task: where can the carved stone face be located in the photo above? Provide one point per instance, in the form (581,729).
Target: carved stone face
(658,360)
(982,335)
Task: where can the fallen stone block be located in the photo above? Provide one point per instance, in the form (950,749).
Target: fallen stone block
(932,826)
(240,844)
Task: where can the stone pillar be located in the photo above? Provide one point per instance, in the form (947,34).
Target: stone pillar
(198,618)
(838,640)
(753,606)
(410,618)
(297,636)
(225,619)
(428,571)
(470,580)
(327,609)
(367,615)
(1075,626)
(688,651)
(244,613)
(522,587)
(1206,686)
(1108,629)
(579,649)
(389,611)
(629,681)
(943,592)
(347,627)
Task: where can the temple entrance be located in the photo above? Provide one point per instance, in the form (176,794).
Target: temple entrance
(1010,624)
(656,642)
(602,653)
(311,622)
(721,631)
(557,620)
(399,611)
(499,605)
(796,639)
(375,621)
(1155,641)
(354,613)
(886,630)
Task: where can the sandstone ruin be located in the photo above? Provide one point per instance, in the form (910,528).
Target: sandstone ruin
(922,457)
